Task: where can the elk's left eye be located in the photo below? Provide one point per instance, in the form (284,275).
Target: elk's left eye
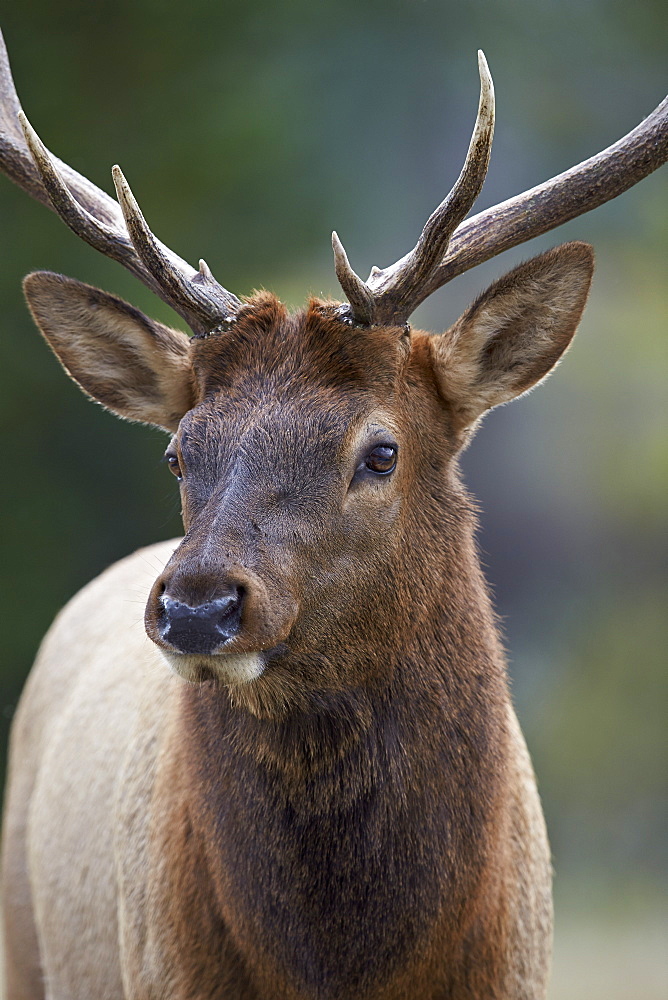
(382,460)
(173,463)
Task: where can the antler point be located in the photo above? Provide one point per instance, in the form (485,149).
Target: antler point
(126,199)
(340,255)
(31,136)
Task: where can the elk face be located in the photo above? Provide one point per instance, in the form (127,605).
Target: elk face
(313,459)
(293,467)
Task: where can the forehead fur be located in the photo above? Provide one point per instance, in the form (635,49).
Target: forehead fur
(268,348)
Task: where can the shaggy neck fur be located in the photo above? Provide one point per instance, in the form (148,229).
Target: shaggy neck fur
(379,803)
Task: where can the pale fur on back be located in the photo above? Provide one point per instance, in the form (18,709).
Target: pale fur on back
(79,717)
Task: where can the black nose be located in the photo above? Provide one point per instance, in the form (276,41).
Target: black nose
(203,628)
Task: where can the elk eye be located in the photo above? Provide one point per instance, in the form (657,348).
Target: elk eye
(174,467)
(382,460)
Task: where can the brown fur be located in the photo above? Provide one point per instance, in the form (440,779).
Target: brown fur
(355,816)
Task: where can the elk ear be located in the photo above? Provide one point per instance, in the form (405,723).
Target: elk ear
(514,334)
(133,365)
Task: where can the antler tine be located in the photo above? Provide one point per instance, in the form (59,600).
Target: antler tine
(96,218)
(98,234)
(567,195)
(19,164)
(448,246)
(200,295)
(393,290)
(397,287)
(356,291)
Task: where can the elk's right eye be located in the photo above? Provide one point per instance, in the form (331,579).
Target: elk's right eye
(174,467)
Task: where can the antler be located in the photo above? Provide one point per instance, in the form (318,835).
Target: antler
(446,248)
(119,232)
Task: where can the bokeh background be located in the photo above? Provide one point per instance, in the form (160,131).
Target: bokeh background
(249,130)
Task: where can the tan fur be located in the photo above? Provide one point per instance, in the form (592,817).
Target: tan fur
(135,366)
(515,332)
(338,802)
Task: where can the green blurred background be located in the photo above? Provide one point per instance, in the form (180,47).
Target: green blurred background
(249,130)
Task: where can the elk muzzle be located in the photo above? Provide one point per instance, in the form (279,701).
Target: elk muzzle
(217,623)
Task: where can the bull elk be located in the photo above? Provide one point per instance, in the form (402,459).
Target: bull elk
(328,795)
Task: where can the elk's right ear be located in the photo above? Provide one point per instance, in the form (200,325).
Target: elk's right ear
(133,365)
(514,334)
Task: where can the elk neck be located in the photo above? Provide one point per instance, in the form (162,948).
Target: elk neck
(401,777)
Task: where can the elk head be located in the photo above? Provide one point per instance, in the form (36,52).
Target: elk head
(316,452)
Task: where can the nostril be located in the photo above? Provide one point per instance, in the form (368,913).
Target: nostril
(203,627)
(230,603)
(226,612)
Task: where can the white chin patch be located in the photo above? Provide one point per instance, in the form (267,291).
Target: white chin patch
(239,668)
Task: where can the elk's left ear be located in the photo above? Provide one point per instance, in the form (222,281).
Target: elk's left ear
(133,365)
(514,334)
